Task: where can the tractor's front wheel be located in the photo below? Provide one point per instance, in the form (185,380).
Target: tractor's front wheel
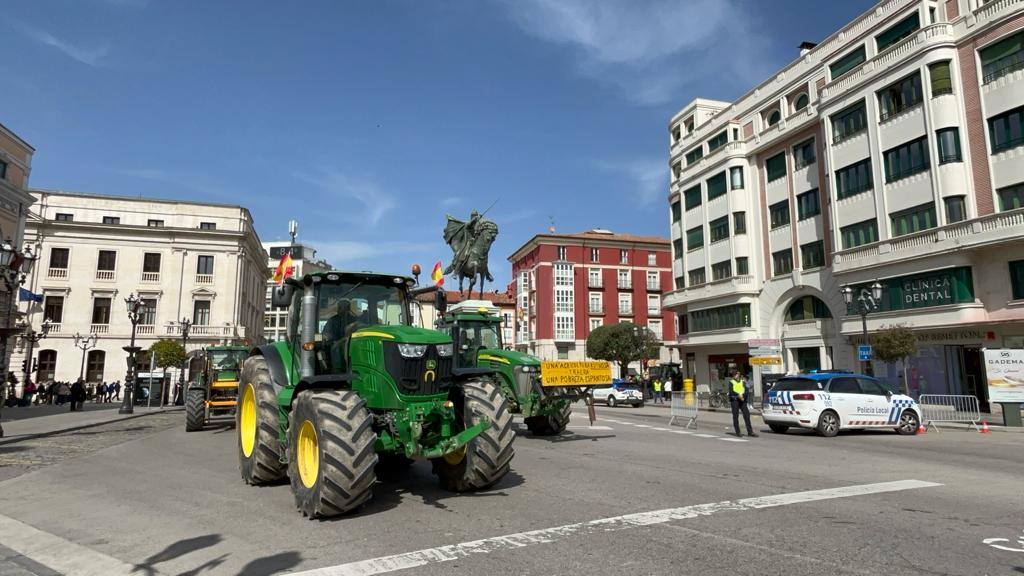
(195,410)
(485,459)
(549,425)
(259,450)
(331,442)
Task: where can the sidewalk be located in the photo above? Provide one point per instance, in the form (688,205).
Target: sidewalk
(24,429)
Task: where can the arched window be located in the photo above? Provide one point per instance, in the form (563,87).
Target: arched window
(807,308)
(94,366)
(774,118)
(47,366)
(801,102)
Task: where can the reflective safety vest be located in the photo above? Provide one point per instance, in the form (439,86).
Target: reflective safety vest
(657,386)
(737,387)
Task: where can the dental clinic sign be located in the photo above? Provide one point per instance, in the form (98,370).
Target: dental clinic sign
(1004,370)
(936,288)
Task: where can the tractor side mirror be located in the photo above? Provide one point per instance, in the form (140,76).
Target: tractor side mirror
(281,297)
(441,301)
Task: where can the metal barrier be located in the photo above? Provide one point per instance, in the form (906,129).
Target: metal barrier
(683,405)
(951,408)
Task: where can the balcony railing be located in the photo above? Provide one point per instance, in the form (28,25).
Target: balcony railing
(144,329)
(57,273)
(625,285)
(654,311)
(204,278)
(55,328)
(104,274)
(592,283)
(97,329)
(596,309)
(150,276)
(654,286)
(564,335)
(201,330)
(625,310)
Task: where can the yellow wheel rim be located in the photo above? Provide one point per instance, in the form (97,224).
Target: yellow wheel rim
(247,420)
(455,457)
(307,454)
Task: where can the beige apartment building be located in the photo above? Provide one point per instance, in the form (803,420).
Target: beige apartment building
(891,152)
(15,167)
(186,260)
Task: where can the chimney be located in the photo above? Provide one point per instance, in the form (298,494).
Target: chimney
(806,47)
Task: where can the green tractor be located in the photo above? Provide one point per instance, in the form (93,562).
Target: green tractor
(355,385)
(213,387)
(475,328)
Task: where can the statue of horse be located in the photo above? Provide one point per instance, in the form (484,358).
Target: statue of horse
(470,243)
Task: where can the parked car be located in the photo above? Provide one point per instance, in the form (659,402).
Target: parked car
(620,392)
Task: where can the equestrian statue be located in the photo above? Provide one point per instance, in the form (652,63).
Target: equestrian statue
(470,243)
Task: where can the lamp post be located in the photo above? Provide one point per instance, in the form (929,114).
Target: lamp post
(135,309)
(85,343)
(15,266)
(179,392)
(32,337)
(867,302)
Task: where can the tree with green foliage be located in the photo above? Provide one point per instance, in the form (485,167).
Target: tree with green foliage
(169,353)
(624,342)
(896,343)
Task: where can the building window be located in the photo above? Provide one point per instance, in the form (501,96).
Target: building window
(697,276)
(1011,197)
(807,205)
(779,213)
(691,197)
(898,31)
(653,280)
(594,277)
(207,225)
(653,304)
(561,253)
(680,282)
(719,229)
(716,186)
(626,304)
(107,260)
(694,238)
(742,266)
(596,303)
(774,117)
(801,103)
(595,255)
(595,323)
(1006,130)
(563,274)
(3,170)
(718,141)
(860,233)
(148,317)
(59,258)
(155,223)
(47,368)
(899,97)
(623,256)
(782,262)
(949,145)
(677,248)
(654,325)
(803,154)
(1001,58)
(906,159)
(721,270)
(201,313)
(563,300)
(151,263)
(204,264)
(739,222)
(65,217)
(807,308)
(722,318)
(776,166)
(95,362)
(624,280)
(677,170)
(652,259)
(53,309)
(676,134)
(677,215)
(849,122)
(736,177)
(812,255)
(1017,279)
(941,78)
(956,209)
(694,155)
(101,311)
(111,220)
(847,62)
(854,179)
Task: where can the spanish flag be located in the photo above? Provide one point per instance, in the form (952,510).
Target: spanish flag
(437,275)
(285,269)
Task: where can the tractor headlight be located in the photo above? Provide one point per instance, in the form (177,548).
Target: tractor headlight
(412,350)
(527,369)
(444,350)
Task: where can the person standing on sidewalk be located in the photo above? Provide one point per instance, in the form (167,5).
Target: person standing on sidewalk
(657,391)
(667,386)
(738,399)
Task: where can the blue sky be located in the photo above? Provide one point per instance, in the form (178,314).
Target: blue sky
(368,121)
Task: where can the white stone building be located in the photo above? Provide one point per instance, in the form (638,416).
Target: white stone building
(193,260)
(893,151)
(275,320)
(15,167)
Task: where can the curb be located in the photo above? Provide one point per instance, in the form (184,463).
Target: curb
(15,439)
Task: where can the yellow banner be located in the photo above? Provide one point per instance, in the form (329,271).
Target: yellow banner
(765,360)
(565,373)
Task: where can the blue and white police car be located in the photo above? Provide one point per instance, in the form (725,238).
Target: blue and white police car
(832,401)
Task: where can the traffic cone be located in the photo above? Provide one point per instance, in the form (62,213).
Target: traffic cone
(921,430)
(984,428)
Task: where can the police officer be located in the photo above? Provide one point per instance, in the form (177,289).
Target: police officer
(738,399)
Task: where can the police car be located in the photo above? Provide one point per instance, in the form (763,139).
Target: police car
(620,392)
(832,401)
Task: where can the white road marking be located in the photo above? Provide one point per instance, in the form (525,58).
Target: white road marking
(996,543)
(57,553)
(642,426)
(733,439)
(661,429)
(518,540)
(705,436)
(683,432)
(589,428)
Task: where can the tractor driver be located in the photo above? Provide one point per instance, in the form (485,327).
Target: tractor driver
(336,332)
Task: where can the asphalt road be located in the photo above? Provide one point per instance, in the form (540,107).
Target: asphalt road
(631,495)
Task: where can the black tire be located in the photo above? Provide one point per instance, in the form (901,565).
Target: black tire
(828,424)
(263,464)
(640,405)
(195,410)
(486,458)
(344,475)
(551,425)
(778,428)
(610,401)
(909,423)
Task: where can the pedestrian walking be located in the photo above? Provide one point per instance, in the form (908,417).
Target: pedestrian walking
(117,390)
(738,399)
(27,393)
(101,392)
(657,391)
(78,395)
(63,393)
(668,388)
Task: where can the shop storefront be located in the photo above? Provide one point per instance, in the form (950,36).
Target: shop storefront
(721,367)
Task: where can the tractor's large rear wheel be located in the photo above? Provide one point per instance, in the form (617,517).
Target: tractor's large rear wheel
(549,425)
(256,420)
(330,442)
(195,410)
(485,459)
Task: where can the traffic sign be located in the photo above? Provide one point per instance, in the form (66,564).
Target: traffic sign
(764,343)
(765,360)
(864,353)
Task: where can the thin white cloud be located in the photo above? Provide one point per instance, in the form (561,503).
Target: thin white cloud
(367,202)
(93,56)
(648,49)
(648,179)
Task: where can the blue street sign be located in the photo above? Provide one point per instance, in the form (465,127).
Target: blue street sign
(864,353)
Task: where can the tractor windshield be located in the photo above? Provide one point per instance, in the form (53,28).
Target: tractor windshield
(479,335)
(348,306)
(227,359)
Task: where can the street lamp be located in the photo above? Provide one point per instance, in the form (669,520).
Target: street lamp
(15,265)
(85,343)
(868,300)
(135,309)
(32,337)
(179,393)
